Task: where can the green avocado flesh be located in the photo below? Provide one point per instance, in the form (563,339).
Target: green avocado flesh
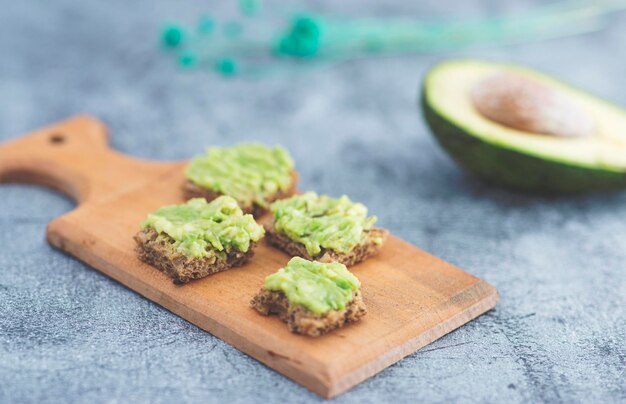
(322,222)
(200,229)
(320,287)
(250,173)
(515,158)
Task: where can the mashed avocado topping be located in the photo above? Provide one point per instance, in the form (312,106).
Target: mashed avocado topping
(200,229)
(320,287)
(322,222)
(250,173)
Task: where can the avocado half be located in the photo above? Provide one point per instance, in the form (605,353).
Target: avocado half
(515,158)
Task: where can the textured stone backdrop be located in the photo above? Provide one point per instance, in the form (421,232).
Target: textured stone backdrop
(69,334)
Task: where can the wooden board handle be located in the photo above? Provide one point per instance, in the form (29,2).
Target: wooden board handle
(73,157)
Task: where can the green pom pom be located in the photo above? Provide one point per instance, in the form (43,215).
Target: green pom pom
(249,7)
(226,66)
(188,59)
(302,39)
(306,27)
(205,24)
(172,35)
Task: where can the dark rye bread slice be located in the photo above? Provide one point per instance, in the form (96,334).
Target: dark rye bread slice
(194,191)
(361,252)
(157,249)
(300,320)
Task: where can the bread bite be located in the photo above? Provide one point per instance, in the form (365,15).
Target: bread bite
(313,298)
(324,229)
(197,239)
(253,174)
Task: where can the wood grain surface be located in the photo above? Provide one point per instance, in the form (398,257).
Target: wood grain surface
(413,298)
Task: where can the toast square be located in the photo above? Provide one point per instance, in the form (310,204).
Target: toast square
(325,229)
(253,174)
(367,248)
(158,250)
(300,320)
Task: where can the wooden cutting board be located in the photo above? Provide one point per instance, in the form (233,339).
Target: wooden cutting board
(413,298)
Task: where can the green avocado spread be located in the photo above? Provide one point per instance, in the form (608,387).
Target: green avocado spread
(200,229)
(250,173)
(322,222)
(320,287)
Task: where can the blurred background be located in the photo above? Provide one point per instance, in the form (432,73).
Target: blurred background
(70,334)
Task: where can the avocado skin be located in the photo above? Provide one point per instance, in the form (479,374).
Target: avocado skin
(512,169)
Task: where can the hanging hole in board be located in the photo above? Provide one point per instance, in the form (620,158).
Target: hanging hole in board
(57,138)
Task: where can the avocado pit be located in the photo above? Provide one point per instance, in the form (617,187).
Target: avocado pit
(527,105)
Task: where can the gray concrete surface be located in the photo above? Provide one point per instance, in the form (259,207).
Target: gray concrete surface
(69,334)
